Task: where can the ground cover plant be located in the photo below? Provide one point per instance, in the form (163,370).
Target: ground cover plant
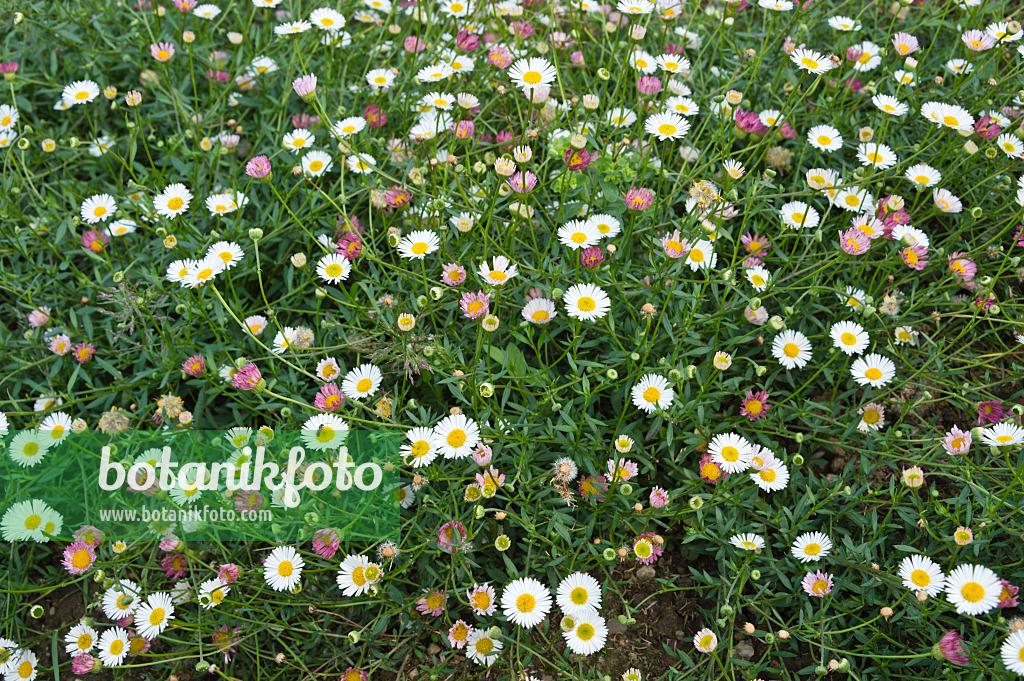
(694,328)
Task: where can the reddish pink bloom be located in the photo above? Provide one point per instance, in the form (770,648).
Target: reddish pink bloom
(78,557)
(711,471)
(463,130)
(174,565)
(397,197)
(817,584)
(962,268)
(1019,236)
(755,405)
(522,182)
(453,274)
(349,245)
(639,198)
(194,365)
(249,378)
(756,245)
(259,168)
(375,116)
(353,673)
(432,604)
(228,573)
(577,159)
(137,644)
(990,412)
(984,302)
(1008,596)
(9,68)
(499,57)
(326,542)
(451,537)
(593,488)
(522,29)
(413,44)
(94,241)
(576,57)
(648,85)
(855,84)
(84,351)
(305,87)
(951,648)
(466,41)
(649,551)
(225,640)
(675,247)
(89,534)
(505,138)
(39,317)
(854,53)
(659,498)
(162,52)
(329,398)
(482,455)
(591,256)
(475,305)
(787,131)
(304,120)
(247,501)
(915,257)
(490,476)
(854,241)
(82,664)
(748,121)
(987,128)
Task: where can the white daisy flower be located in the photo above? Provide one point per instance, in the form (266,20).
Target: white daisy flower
(172,201)
(362,382)
(357,574)
(456,436)
(153,616)
(586,302)
(652,393)
(730,451)
(748,541)
(578,594)
(283,568)
(333,268)
(850,337)
(973,589)
(873,369)
(98,208)
(792,349)
(921,572)
(324,431)
(589,635)
(811,546)
(525,602)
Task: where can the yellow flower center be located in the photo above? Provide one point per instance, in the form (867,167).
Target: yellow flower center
(873,374)
(652,395)
(82,559)
(809,63)
(791,350)
(541,316)
(32,522)
(84,641)
(812,549)
(972,592)
(532,77)
(484,646)
(456,438)
(526,603)
(754,407)
(586,631)
(667,129)
(157,616)
(730,453)
(920,578)
(710,471)
(586,304)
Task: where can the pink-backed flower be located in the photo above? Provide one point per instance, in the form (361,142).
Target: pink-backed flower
(94,241)
(84,352)
(412,44)
(591,256)
(481,599)
(329,398)
(621,470)
(987,128)
(711,471)
(977,40)
(451,537)
(648,85)
(675,246)
(957,441)
(303,121)
(225,640)
(756,245)
(375,116)
(749,121)
(577,159)
(499,57)
(646,549)
(639,198)
(82,664)
(475,305)
(522,29)
(305,87)
(174,565)
(133,98)
(1008,596)
(951,648)
(171,542)
(786,131)
(349,245)
(1018,238)
(659,498)
(466,41)
(137,644)
(258,167)
(482,456)
(459,634)
(755,405)
(185,5)
(39,317)
(463,130)
(491,476)
(817,584)
(915,257)
(162,52)
(576,57)
(249,378)
(990,412)
(593,488)
(984,301)
(432,604)
(854,241)
(397,197)
(228,573)
(353,674)
(247,501)
(453,274)
(78,557)
(9,69)
(219,76)
(194,365)
(89,534)
(522,182)
(962,268)
(326,542)
(905,44)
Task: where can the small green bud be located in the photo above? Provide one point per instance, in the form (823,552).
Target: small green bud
(118,277)
(412,404)
(608,554)
(486,390)
(755,574)
(769,638)
(354,637)
(760,370)
(422,302)
(255,233)
(799,437)
(727,610)
(494,632)
(36,611)
(821,670)
(436,293)
(755,303)
(675,375)
(634,356)
(721,622)
(626,488)
(797,460)
(502,542)
(557,293)
(612,374)
(202,666)
(691,371)
(603,73)
(286,412)
(479,512)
